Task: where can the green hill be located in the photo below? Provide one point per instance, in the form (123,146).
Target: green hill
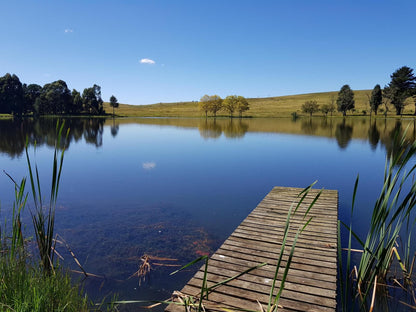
(279,106)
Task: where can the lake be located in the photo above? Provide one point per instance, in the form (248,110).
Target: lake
(177,188)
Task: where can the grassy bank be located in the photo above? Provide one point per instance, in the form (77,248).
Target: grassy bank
(269,107)
(280,106)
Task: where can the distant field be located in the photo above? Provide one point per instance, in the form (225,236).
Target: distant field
(280,106)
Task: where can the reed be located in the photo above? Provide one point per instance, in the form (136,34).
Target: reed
(23,284)
(392,213)
(19,203)
(26,286)
(44,219)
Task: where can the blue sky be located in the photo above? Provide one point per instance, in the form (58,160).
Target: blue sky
(250,48)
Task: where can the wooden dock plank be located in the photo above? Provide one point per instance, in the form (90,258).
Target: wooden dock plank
(311,282)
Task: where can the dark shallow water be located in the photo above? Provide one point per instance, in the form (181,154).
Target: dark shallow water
(177,188)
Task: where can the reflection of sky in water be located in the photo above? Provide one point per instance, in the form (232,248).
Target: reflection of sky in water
(149,165)
(115,211)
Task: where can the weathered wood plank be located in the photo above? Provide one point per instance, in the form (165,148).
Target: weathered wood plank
(255,227)
(324,262)
(311,282)
(259,282)
(295,276)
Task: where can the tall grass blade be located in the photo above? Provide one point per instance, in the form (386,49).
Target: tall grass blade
(209,289)
(189,264)
(44,222)
(289,261)
(341,271)
(273,301)
(204,286)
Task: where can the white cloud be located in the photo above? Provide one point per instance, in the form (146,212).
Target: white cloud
(149,165)
(147,61)
(68,30)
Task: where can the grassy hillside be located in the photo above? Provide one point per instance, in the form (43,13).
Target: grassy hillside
(280,106)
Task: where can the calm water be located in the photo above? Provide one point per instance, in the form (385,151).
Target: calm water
(177,188)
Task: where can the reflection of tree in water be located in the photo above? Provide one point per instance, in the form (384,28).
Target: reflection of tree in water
(43,132)
(93,133)
(343,134)
(12,138)
(212,129)
(209,129)
(235,129)
(327,125)
(309,126)
(114,129)
(76,126)
(373,135)
(364,121)
(392,141)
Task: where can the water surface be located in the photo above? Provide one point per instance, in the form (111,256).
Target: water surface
(177,188)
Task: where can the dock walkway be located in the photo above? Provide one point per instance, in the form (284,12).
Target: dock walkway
(312,279)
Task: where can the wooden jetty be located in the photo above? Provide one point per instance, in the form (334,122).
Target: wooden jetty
(312,280)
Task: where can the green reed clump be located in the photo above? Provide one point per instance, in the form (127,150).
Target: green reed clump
(44,219)
(26,284)
(23,287)
(23,284)
(392,213)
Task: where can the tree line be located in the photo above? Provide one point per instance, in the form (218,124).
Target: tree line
(231,104)
(53,98)
(400,88)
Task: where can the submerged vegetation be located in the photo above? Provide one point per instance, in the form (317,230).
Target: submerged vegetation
(284,253)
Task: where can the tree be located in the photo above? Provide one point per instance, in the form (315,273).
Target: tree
(345,99)
(203,104)
(215,104)
(242,105)
(210,103)
(11,95)
(113,103)
(328,108)
(76,102)
(376,98)
(230,104)
(55,98)
(91,99)
(401,86)
(31,93)
(310,107)
(37,106)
